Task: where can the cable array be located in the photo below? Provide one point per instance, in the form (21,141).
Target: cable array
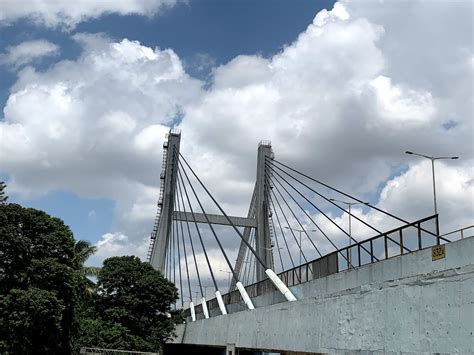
(304,220)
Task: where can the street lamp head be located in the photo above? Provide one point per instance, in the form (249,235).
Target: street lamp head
(454,157)
(408,152)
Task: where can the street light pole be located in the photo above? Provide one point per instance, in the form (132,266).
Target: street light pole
(433,173)
(228,278)
(349,204)
(300,232)
(434,187)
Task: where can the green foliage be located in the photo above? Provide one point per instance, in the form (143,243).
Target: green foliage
(27,234)
(37,281)
(49,305)
(134,301)
(109,335)
(82,251)
(30,321)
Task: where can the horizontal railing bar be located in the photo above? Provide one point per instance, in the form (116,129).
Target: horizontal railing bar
(396,230)
(458,230)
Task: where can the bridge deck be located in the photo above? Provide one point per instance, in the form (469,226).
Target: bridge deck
(408,303)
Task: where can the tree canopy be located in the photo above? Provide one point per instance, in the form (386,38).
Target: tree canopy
(132,307)
(37,281)
(48,304)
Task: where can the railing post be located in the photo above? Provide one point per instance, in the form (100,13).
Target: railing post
(419,237)
(371,251)
(437,231)
(358,252)
(401,242)
(348,259)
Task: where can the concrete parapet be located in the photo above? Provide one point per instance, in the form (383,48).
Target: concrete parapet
(406,304)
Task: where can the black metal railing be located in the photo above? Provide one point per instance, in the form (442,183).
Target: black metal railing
(403,240)
(411,237)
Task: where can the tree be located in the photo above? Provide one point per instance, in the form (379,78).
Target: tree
(36,277)
(82,251)
(133,304)
(3,196)
(30,321)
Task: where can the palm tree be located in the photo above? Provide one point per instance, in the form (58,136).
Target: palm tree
(82,251)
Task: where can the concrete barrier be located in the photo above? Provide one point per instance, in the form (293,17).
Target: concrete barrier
(406,304)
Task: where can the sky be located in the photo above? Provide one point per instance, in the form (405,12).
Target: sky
(342,90)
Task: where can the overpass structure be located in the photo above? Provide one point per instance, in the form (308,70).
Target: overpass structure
(409,304)
(404,290)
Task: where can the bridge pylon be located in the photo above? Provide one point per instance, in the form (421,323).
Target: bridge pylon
(161,231)
(257,218)
(263,241)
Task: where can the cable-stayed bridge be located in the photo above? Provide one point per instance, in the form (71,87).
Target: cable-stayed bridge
(293,237)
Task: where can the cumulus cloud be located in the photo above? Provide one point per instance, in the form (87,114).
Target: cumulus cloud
(117,244)
(69,13)
(104,113)
(27,52)
(336,103)
(95,125)
(409,196)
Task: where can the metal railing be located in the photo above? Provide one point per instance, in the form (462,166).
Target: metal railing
(460,233)
(399,241)
(403,240)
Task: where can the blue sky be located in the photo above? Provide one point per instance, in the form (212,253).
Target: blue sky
(89,89)
(203,33)
(218,30)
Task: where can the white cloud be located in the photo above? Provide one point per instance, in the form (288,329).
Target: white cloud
(118,244)
(103,115)
(95,125)
(415,107)
(69,13)
(335,103)
(27,52)
(410,197)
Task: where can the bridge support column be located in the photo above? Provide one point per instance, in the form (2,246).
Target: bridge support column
(262,237)
(158,255)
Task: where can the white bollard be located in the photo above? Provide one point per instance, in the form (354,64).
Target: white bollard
(193,313)
(221,302)
(244,295)
(204,308)
(280,285)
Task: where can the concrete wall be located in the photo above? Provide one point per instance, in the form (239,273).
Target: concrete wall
(407,304)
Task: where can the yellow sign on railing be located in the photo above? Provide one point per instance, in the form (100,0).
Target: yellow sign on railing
(438,252)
